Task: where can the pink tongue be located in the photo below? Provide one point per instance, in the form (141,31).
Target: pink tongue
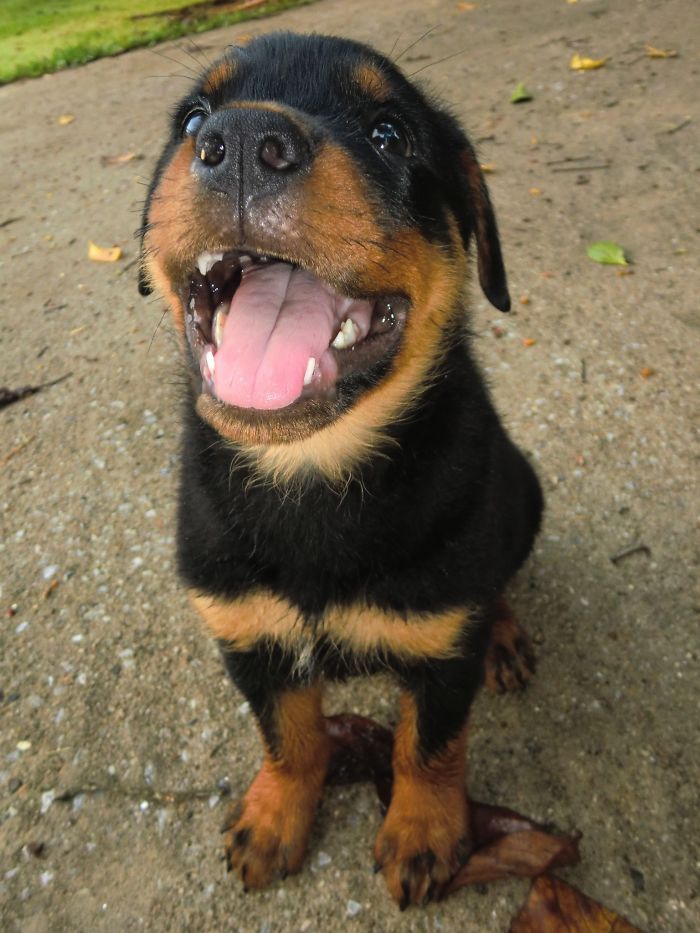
(280,316)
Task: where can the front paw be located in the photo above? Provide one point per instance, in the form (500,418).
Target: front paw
(421,846)
(266,834)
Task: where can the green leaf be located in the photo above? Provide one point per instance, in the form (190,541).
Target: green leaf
(520,94)
(607,252)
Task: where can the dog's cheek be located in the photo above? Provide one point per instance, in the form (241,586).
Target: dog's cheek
(170,241)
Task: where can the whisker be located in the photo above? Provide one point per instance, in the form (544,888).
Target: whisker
(419,39)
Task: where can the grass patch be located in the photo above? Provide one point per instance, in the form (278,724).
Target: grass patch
(39,36)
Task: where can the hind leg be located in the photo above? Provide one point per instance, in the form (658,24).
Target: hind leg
(510,659)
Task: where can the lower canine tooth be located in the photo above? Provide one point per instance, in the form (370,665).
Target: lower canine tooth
(209,357)
(309,374)
(218,325)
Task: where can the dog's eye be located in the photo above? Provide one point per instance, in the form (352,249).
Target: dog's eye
(193,121)
(390,137)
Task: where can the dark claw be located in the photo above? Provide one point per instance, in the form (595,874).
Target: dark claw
(405,896)
(376,868)
(241,838)
(429,894)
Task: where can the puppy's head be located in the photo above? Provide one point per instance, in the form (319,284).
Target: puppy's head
(308,225)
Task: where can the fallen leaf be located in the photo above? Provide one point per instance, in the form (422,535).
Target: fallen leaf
(529,342)
(535,192)
(520,94)
(524,299)
(120,159)
(581,63)
(361,750)
(653,52)
(553,906)
(516,854)
(488,168)
(65,119)
(103,253)
(467,7)
(646,372)
(607,252)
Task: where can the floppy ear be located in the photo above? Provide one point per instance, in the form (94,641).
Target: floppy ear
(492,273)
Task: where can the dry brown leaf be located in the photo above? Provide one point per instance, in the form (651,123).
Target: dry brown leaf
(581,63)
(65,119)
(529,342)
(103,253)
(488,168)
(535,192)
(646,372)
(653,52)
(553,906)
(467,7)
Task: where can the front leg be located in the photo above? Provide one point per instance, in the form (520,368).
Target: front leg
(268,830)
(425,836)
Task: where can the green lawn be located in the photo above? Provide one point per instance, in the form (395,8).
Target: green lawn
(37,36)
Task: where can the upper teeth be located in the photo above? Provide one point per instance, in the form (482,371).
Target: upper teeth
(347,335)
(310,367)
(207,260)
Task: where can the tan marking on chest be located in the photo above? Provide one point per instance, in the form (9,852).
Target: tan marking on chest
(359,630)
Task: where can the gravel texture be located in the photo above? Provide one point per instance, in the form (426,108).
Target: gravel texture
(121,737)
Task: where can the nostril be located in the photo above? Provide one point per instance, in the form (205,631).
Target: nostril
(212,150)
(272,154)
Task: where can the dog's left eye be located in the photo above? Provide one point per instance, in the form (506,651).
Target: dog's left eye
(193,121)
(392,138)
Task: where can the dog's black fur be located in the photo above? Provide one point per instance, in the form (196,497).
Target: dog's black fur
(444,511)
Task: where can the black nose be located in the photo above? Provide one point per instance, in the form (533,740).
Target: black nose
(249,149)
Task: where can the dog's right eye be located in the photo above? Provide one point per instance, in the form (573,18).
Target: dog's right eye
(193,121)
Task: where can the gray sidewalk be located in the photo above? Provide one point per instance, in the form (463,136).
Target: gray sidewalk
(112,695)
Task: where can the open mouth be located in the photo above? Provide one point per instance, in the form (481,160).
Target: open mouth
(266,333)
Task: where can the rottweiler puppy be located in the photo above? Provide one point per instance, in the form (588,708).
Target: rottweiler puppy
(349,500)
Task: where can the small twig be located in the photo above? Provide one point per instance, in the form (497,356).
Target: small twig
(8,396)
(628,551)
(568,159)
(584,371)
(581,168)
(140,793)
(678,126)
(8,221)
(16,450)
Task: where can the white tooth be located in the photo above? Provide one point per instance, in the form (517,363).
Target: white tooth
(207,260)
(347,335)
(218,324)
(209,357)
(310,367)
(245,261)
